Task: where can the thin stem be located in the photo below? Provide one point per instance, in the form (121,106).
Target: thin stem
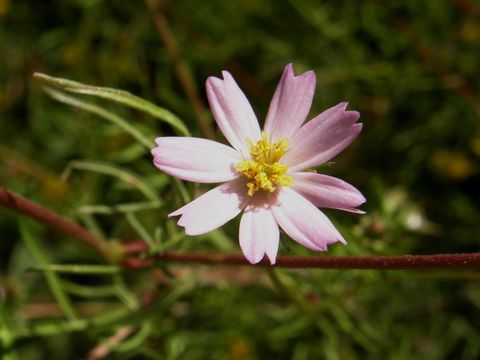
(107,115)
(140,229)
(53,280)
(54,221)
(183,72)
(133,249)
(287,291)
(404,262)
(7,335)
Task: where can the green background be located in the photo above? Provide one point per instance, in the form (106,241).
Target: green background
(411,68)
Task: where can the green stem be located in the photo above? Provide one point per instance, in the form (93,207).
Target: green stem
(107,115)
(81,269)
(7,336)
(140,229)
(89,292)
(92,225)
(115,171)
(113,318)
(124,294)
(52,278)
(119,96)
(182,190)
(288,292)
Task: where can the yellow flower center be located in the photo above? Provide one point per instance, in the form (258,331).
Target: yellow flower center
(263,169)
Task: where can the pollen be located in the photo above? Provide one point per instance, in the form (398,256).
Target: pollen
(263,169)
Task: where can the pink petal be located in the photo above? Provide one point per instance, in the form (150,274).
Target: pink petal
(195,159)
(290,104)
(259,234)
(327,191)
(303,222)
(233,112)
(213,209)
(322,138)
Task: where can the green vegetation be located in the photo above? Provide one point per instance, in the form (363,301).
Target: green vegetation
(410,67)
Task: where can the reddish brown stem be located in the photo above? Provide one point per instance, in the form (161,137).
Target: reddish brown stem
(440,261)
(54,221)
(405,262)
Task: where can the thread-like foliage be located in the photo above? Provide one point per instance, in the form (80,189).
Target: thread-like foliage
(409,67)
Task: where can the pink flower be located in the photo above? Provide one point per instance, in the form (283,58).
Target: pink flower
(265,174)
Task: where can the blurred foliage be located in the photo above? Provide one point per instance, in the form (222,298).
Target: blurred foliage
(410,67)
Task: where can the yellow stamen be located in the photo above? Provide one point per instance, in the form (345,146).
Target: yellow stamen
(263,169)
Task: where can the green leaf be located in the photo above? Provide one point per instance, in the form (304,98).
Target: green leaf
(117,317)
(140,229)
(119,208)
(77,269)
(105,114)
(53,280)
(7,335)
(120,96)
(115,171)
(87,291)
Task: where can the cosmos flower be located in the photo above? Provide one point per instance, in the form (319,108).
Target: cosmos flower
(265,173)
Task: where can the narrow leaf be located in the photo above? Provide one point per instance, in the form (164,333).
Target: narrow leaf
(115,171)
(105,114)
(78,269)
(120,96)
(53,280)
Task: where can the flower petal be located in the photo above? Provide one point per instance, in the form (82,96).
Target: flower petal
(303,222)
(290,104)
(328,191)
(322,138)
(213,209)
(259,234)
(196,159)
(232,111)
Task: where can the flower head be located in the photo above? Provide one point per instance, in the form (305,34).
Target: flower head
(265,173)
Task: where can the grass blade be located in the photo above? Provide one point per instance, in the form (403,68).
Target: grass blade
(79,269)
(87,291)
(119,96)
(119,208)
(53,280)
(105,114)
(140,229)
(115,171)
(7,335)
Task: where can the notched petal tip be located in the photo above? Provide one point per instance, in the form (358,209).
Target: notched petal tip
(182,223)
(308,76)
(290,104)
(252,260)
(227,76)
(358,127)
(154,153)
(212,83)
(175,213)
(289,71)
(273,260)
(352,115)
(190,232)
